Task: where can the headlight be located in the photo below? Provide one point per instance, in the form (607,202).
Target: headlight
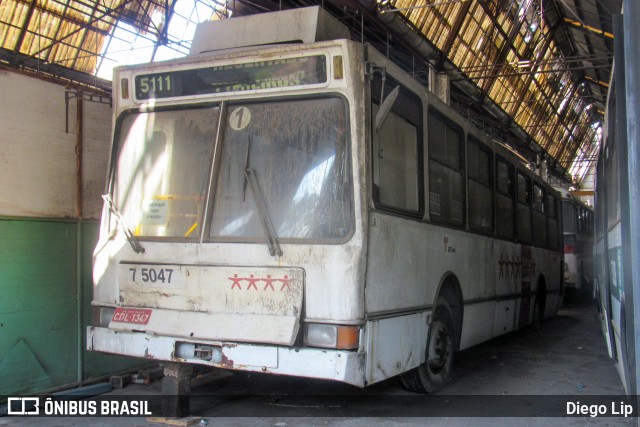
(331,336)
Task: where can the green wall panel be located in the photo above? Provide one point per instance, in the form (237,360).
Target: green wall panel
(38,313)
(42,344)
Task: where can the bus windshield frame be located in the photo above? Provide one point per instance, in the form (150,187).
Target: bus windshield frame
(297,148)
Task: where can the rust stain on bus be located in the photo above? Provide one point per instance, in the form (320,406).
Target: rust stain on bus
(226,362)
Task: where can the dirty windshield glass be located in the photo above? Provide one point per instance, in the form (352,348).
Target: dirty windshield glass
(297,153)
(163,165)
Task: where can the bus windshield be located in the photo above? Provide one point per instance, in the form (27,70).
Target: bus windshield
(297,153)
(163,170)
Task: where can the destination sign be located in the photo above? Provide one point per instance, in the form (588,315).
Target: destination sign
(277,73)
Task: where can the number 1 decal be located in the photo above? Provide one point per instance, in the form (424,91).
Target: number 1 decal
(240,118)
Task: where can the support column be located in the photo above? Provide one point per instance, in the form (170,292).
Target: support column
(176,389)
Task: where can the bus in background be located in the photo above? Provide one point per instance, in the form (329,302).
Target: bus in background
(309,209)
(577,225)
(612,215)
(609,276)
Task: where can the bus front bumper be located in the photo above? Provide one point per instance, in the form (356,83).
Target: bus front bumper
(337,365)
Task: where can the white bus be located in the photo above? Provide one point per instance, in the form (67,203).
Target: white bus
(612,283)
(309,209)
(577,222)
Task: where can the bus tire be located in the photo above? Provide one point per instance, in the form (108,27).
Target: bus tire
(539,305)
(434,373)
(536,322)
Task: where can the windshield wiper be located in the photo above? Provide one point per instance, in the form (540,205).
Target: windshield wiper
(265,220)
(135,244)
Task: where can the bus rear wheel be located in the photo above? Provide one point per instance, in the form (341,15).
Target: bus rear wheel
(434,373)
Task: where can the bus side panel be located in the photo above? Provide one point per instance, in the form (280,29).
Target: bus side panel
(616,288)
(547,264)
(408,261)
(395,345)
(397,265)
(474,332)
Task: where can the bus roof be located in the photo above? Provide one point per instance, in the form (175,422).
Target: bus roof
(303,25)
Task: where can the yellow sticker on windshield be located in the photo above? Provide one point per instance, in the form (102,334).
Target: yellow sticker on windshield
(155,212)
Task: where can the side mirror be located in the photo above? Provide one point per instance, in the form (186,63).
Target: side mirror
(385,107)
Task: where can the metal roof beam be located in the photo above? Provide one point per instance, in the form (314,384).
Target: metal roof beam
(453,33)
(534,70)
(84,36)
(588,29)
(25,26)
(109,13)
(508,44)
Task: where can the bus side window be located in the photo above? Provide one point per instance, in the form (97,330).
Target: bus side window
(524,208)
(552,222)
(446,180)
(581,219)
(569,217)
(539,216)
(479,167)
(505,213)
(612,185)
(397,153)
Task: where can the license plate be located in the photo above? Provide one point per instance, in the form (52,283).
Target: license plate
(139,316)
(164,276)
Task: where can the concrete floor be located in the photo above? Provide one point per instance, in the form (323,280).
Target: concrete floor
(528,374)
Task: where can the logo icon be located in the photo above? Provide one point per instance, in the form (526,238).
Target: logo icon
(23,406)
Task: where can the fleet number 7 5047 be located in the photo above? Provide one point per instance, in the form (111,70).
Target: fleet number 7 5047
(151,275)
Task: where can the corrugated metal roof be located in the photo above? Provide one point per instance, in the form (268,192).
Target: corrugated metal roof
(550,77)
(70,33)
(544,63)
